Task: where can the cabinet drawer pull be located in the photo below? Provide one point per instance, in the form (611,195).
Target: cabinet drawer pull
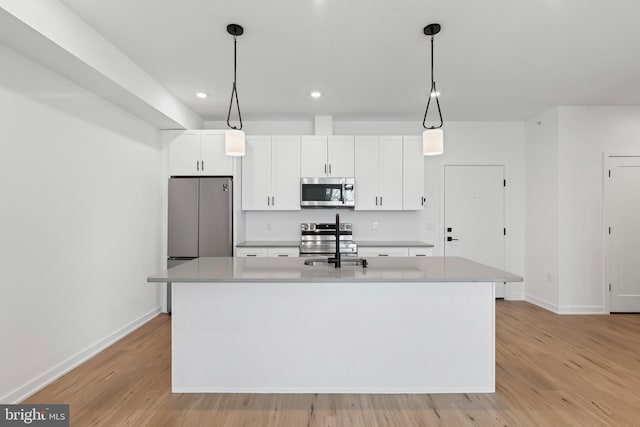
(383,254)
(421,255)
(283,255)
(252,255)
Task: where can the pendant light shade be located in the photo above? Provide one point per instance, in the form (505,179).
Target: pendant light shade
(432,142)
(432,137)
(234,142)
(234,137)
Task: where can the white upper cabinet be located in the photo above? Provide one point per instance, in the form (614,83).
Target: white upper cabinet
(378,172)
(214,159)
(390,172)
(340,156)
(271,173)
(323,156)
(256,174)
(366,173)
(313,156)
(412,174)
(285,173)
(198,153)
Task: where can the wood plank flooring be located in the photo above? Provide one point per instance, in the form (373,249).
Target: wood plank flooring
(551,371)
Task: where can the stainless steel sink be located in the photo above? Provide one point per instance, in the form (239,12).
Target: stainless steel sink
(356,262)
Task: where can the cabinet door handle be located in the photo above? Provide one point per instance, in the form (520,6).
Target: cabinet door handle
(325,168)
(202,164)
(376,200)
(268,201)
(380,200)
(329,168)
(197,165)
(273,200)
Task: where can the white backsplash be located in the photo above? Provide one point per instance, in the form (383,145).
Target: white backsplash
(403,225)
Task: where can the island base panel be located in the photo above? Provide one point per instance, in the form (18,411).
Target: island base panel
(333,337)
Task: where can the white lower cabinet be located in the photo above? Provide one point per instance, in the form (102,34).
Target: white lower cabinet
(267,252)
(394,251)
(251,252)
(382,251)
(283,252)
(420,251)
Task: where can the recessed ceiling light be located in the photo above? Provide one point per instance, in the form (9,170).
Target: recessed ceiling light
(316,94)
(201,95)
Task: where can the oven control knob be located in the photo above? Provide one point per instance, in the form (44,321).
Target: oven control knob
(312,227)
(347,226)
(304,227)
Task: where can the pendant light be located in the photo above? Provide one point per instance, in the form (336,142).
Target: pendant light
(432,137)
(234,137)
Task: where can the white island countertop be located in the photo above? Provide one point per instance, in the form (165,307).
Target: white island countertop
(270,270)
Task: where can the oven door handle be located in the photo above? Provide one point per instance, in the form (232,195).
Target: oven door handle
(342,193)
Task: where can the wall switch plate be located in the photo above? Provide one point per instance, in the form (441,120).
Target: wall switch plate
(375,225)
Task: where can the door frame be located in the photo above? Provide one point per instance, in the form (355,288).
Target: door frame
(606,220)
(506,206)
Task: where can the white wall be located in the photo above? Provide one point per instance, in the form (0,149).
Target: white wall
(465,143)
(79,220)
(542,210)
(585,133)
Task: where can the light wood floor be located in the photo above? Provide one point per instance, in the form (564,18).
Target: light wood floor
(551,371)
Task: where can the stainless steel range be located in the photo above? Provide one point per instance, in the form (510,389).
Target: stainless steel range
(320,239)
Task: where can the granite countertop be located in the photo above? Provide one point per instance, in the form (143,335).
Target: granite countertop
(269,244)
(393,244)
(396,269)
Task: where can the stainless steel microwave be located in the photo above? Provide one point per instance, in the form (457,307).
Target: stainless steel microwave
(327,192)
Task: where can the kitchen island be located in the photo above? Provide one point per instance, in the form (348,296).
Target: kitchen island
(276,325)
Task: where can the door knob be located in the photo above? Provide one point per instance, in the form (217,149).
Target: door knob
(449,239)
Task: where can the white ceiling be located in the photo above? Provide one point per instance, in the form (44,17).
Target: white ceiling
(495,59)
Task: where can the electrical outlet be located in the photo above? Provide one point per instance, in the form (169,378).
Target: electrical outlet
(375,225)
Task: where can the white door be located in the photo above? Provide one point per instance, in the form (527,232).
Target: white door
(256,174)
(623,197)
(390,172)
(214,159)
(366,173)
(313,156)
(340,153)
(285,173)
(412,174)
(474,215)
(184,154)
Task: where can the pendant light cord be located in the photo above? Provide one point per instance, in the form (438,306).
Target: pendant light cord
(432,94)
(234,91)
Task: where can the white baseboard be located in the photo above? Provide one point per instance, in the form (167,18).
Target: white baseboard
(31,387)
(564,309)
(543,303)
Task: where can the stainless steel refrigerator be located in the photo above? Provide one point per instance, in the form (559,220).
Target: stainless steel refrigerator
(200,220)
